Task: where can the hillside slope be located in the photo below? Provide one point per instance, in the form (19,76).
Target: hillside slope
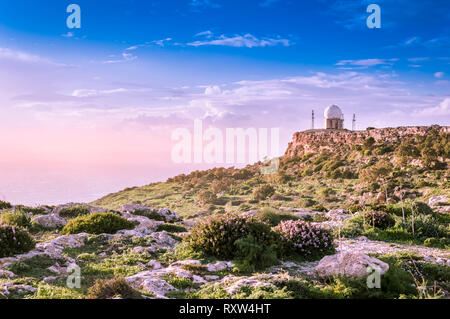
(322,169)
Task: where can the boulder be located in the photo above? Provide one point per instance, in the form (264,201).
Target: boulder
(238,282)
(50,221)
(165,213)
(147,282)
(349,264)
(381,198)
(433,201)
(390,201)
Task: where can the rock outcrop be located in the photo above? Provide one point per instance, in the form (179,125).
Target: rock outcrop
(350,264)
(50,221)
(313,141)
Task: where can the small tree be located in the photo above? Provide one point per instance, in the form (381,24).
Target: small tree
(262,192)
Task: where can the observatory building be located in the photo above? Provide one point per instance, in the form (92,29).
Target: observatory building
(334,118)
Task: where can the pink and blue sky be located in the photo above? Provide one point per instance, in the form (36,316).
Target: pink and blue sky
(85,112)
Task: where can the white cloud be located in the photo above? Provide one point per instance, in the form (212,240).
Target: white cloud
(439,75)
(239,41)
(213,90)
(443,109)
(208,34)
(94,92)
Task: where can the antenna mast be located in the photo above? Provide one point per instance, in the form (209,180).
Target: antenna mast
(354,122)
(312,123)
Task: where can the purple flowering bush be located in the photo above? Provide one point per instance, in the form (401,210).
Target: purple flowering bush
(14,241)
(217,236)
(305,239)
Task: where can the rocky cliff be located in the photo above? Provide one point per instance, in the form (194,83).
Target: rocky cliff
(313,141)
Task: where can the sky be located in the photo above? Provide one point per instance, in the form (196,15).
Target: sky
(89,111)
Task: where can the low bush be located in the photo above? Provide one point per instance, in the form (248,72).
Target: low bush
(5,205)
(304,239)
(273,217)
(425,226)
(380,220)
(74,211)
(16,218)
(252,256)
(97,223)
(206,197)
(112,288)
(14,241)
(263,192)
(217,236)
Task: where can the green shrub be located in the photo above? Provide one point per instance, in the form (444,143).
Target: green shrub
(14,241)
(262,192)
(74,211)
(379,219)
(304,239)
(112,288)
(273,217)
(97,223)
(396,281)
(325,192)
(152,214)
(353,226)
(206,197)
(423,208)
(396,209)
(217,236)
(16,218)
(425,226)
(319,208)
(171,228)
(252,256)
(5,205)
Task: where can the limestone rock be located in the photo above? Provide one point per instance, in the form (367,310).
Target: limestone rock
(253,282)
(219,266)
(147,282)
(165,213)
(381,198)
(7,274)
(50,221)
(433,201)
(349,264)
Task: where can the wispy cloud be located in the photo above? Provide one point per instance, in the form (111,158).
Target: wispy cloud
(200,4)
(365,63)
(125,57)
(6,53)
(439,75)
(160,43)
(416,41)
(239,41)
